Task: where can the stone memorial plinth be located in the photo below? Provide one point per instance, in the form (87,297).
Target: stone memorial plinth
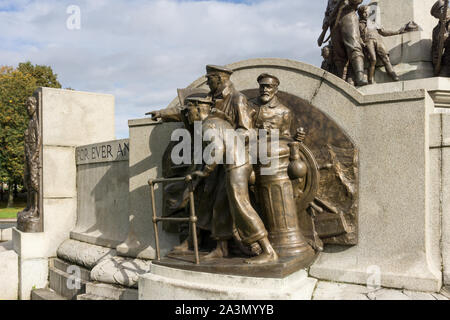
(9,273)
(439,135)
(102,193)
(164,283)
(69,119)
(398,232)
(148,142)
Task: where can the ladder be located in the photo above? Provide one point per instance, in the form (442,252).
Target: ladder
(192,219)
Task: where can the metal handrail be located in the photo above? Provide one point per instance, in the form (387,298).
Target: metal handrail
(192,217)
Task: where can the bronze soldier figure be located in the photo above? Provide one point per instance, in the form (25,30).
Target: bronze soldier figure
(327,63)
(276,189)
(210,194)
(441,44)
(341,19)
(371,36)
(226,98)
(29,218)
(248,226)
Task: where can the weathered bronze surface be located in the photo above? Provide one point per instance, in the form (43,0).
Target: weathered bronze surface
(341,19)
(283,218)
(216,209)
(337,158)
(275,190)
(352,41)
(373,43)
(281,268)
(245,223)
(440,45)
(30,219)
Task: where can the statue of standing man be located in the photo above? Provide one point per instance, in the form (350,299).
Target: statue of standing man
(440,49)
(29,219)
(342,20)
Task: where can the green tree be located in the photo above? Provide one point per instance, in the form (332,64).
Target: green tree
(16,85)
(43,74)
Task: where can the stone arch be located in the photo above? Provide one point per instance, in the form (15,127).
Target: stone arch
(315,83)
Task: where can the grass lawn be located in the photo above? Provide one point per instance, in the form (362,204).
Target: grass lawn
(11,213)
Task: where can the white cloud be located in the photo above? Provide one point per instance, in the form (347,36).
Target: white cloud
(142,51)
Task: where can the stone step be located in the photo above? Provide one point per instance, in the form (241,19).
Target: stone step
(87,296)
(446,292)
(63,284)
(65,267)
(45,294)
(111,292)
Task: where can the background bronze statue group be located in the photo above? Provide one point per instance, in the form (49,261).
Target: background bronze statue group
(355,42)
(241,210)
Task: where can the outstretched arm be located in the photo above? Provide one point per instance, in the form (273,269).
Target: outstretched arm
(167,115)
(388,33)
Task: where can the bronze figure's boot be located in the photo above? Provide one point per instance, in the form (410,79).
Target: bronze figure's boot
(221,251)
(358,68)
(268,253)
(182,248)
(390,71)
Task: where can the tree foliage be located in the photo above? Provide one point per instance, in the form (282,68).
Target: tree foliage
(43,74)
(16,85)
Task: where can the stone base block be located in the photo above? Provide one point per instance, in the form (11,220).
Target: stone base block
(29,245)
(6,234)
(340,291)
(33,274)
(163,283)
(67,280)
(90,297)
(446,292)
(45,294)
(9,275)
(419,279)
(102,291)
(447,278)
(66,267)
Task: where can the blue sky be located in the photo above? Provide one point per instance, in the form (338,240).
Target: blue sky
(141,51)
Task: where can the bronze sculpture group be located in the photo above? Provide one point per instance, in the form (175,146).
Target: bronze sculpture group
(355,40)
(248,211)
